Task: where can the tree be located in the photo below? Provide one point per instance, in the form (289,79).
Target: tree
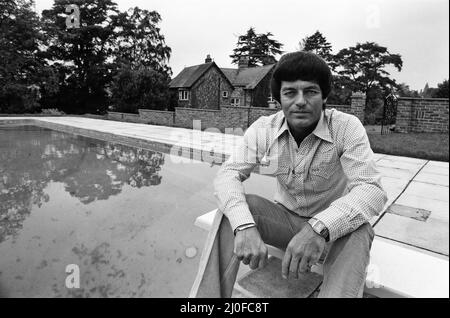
(23,70)
(319,45)
(140,88)
(89,57)
(442,90)
(141,55)
(139,42)
(403,90)
(341,92)
(260,49)
(364,64)
(82,54)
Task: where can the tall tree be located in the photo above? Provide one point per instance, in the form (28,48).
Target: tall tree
(364,64)
(23,71)
(139,41)
(82,53)
(319,45)
(363,67)
(260,49)
(142,56)
(403,90)
(140,88)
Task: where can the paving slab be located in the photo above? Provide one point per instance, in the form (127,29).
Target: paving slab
(432,234)
(429,191)
(394,183)
(439,170)
(378,156)
(442,164)
(410,212)
(405,159)
(413,166)
(439,209)
(431,178)
(397,173)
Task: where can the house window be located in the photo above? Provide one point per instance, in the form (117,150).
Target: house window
(183,95)
(271,99)
(225,94)
(235,102)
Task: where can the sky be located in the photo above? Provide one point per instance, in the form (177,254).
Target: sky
(418,30)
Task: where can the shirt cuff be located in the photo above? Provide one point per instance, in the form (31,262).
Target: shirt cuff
(239,216)
(334,222)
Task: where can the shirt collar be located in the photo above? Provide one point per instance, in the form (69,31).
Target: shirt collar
(322,131)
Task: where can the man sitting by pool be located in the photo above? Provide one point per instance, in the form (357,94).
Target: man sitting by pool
(328,188)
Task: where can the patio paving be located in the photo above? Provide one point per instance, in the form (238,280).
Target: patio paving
(410,182)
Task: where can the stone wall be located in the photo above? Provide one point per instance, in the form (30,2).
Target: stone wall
(157,117)
(422,115)
(225,117)
(342,108)
(115,115)
(256,112)
(358,105)
(128,117)
(184,117)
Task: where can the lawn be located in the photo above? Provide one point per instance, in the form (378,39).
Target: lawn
(431,146)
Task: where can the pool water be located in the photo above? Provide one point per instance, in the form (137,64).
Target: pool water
(124,216)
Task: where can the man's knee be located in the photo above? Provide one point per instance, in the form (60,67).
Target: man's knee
(367,230)
(359,240)
(364,234)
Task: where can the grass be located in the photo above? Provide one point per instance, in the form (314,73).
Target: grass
(431,146)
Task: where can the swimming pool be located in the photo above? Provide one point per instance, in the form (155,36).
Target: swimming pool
(123,215)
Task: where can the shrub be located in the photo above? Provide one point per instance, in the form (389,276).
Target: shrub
(52,112)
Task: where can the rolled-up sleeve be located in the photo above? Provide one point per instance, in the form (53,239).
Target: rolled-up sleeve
(366,197)
(228,187)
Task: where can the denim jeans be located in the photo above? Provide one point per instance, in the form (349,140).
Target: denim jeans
(344,268)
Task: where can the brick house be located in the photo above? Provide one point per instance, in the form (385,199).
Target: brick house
(207,86)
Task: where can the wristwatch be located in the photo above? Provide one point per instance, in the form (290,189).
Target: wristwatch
(319,228)
(244,227)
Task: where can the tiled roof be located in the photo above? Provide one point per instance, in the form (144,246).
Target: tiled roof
(189,75)
(230,73)
(250,77)
(247,77)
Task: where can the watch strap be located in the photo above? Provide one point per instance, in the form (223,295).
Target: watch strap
(244,227)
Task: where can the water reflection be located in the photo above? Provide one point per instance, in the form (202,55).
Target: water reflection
(90,170)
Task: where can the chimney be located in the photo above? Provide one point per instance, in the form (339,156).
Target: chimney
(243,62)
(208,59)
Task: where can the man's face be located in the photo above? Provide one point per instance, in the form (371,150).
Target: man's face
(302,103)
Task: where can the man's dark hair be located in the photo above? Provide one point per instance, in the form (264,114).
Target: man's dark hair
(305,66)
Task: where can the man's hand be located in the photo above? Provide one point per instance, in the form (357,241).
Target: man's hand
(304,250)
(250,248)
